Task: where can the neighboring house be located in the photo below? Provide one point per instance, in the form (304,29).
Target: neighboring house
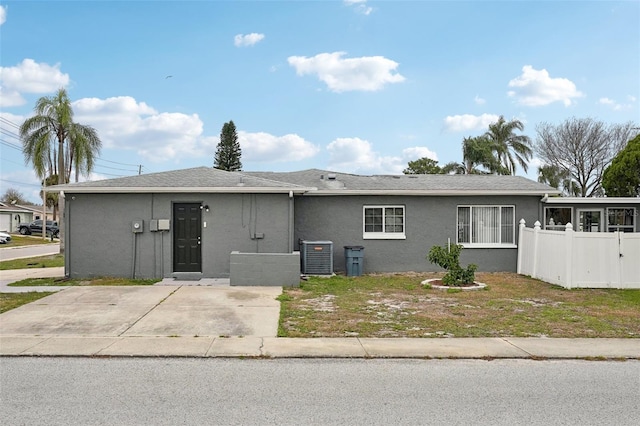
(37,211)
(607,214)
(188,222)
(12,215)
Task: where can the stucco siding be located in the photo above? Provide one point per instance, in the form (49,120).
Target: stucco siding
(100,240)
(429,220)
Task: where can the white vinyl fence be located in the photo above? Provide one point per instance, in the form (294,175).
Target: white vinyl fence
(580,259)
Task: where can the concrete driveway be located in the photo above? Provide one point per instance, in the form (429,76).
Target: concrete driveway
(155,311)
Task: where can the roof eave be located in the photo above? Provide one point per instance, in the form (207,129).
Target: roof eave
(593,200)
(432,192)
(188,189)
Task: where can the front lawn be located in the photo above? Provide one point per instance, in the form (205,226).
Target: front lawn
(82,282)
(397,305)
(28,240)
(51,261)
(10,301)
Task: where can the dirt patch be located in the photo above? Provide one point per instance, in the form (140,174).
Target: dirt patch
(397,305)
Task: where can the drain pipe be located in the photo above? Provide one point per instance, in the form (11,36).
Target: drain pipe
(291,221)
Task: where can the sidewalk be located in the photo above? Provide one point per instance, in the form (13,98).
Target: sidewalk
(351,347)
(12,275)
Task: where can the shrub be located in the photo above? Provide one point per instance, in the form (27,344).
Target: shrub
(448,258)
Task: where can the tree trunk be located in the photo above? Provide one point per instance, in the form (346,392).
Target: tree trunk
(61,180)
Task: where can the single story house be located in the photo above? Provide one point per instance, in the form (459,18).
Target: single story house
(204,222)
(12,215)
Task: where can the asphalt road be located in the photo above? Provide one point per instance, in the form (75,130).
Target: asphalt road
(169,391)
(9,252)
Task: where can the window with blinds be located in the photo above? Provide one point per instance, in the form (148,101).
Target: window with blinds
(486,225)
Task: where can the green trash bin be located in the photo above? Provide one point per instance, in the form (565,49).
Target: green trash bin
(354,259)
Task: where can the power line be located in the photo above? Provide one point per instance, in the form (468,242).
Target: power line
(17,147)
(115,162)
(9,122)
(10,145)
(19,183)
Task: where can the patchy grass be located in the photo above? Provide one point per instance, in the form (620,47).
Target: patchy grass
(101,281)
(52,261)
(28,240)
(10,301)
(396,305)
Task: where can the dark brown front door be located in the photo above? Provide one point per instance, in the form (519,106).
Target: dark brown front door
(187,254)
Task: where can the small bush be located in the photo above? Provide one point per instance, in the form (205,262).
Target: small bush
(448,258)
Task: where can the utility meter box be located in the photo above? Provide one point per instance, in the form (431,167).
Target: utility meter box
(163,224)
(137,226)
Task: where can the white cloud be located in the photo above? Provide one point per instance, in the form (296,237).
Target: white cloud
(242,40)
(359,6)
(355,155)
(32,77)
(536,88)
(479,101)
(617,106)
(3,15)
(123,123)
(417,152)
(29,77)
(368,73)
(10,98)
(465,122)
(264,147)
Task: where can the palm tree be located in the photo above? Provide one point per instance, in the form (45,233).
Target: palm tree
(558,178)
(54,143)
(77,145)
(51,198)
(510,149)
(477,158)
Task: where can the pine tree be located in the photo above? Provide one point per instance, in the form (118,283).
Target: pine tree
(228,151)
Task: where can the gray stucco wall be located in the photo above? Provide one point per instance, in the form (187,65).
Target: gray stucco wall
(265,269)
(100,241)
(429,221)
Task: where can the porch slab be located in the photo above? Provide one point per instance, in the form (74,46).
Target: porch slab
(226,296)
(84,319)
(207,320)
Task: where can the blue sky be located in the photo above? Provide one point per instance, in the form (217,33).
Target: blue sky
(350,86)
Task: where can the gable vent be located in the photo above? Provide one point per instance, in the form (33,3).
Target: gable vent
(317,257)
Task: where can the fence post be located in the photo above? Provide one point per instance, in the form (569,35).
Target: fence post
(521,245)
(568,260)
(536,230)
(617,255)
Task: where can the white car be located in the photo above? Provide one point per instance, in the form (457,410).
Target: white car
(4,237)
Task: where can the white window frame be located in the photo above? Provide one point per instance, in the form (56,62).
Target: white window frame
(384,235)
(487,245)
(580,226)
(613,228)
